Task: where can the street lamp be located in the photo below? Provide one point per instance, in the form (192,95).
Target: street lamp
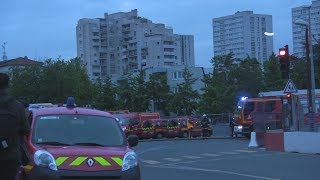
(268,33)
(310,70)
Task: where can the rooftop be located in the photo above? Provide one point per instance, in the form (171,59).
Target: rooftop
(20,61)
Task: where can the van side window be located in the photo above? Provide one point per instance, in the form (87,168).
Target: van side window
(260,107)
(270,106)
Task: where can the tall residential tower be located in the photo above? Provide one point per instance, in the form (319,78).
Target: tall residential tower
(243,35)
(305,13)
(123,42)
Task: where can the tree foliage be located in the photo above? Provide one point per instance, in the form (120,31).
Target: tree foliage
(185,101)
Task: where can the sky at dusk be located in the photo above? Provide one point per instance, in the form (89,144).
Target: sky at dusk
(43,29)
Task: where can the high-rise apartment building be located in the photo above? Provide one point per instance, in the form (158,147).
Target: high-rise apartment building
(123,42)
(243,35)
(305,13)
(187,50)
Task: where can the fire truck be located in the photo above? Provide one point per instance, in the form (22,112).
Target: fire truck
(269,104)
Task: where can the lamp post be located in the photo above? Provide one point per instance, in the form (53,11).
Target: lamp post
(310,70)
(143,71)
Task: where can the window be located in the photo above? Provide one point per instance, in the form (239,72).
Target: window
(260,106)
(248,107)
(270,106)
(177,75)
(75,129)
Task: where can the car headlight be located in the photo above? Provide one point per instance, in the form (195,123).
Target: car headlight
(130,160)
(45,159)
(240,127)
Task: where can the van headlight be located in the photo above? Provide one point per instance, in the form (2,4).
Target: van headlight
(130,160)
(45,159)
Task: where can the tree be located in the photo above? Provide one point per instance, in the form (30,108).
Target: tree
(316,51)
(25,83)
(124,93)
(249,79)
(104,94)
(299,73)
(52,82)
(185,101)
(159,91)
(140,100)
(220,89)
(272,75)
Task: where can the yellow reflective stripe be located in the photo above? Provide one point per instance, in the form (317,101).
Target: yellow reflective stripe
(78,161)
(61,160)
(102,161)
(28,167)
(117,160)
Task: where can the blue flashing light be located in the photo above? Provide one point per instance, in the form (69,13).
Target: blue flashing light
(70,102)
(243,98)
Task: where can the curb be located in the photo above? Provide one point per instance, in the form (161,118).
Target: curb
(191,139)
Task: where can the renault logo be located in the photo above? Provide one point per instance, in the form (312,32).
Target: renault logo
(90,162)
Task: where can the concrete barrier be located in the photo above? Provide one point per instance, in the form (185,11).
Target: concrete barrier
(274,140)
(302,142)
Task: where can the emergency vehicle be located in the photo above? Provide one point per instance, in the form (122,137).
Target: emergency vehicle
(184,127)
(242,123)
(140,124)
(268,103)
(78,143)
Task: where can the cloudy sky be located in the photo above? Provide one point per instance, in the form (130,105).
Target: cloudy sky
(46,28)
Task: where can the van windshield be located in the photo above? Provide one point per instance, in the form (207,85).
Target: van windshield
(77,129)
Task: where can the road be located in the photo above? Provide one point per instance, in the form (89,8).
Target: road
(221,159)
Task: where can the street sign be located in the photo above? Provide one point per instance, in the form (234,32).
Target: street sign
(290,87)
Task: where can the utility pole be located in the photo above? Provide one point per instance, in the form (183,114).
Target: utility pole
(309,68)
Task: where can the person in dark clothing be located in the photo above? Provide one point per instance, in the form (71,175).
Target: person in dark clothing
(205,121)
(13,128)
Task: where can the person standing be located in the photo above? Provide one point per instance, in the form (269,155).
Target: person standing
(13,127)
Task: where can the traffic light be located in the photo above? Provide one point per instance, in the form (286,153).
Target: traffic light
(284,61)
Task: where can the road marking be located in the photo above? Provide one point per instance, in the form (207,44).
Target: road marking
(191,157)
(246,151)
(212,170)
(230,153)
(172,159)
(151,162)
(211,155)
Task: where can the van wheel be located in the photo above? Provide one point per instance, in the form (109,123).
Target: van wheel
(159,136)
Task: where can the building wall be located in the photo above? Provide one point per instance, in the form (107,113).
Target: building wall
(121,43)
(243,35)
(174,76)
(298,31)
(187,50)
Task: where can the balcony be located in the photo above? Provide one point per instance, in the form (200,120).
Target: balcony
(169,53)
(169,60)
(169,46)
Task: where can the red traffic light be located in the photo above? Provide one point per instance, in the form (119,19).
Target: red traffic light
(282,52)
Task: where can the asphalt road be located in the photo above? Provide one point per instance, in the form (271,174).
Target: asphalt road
(222,159)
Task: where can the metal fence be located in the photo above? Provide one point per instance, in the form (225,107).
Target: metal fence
(224,118)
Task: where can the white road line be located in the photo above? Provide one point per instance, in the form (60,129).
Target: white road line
(214,170)
(191,157)
(172,159)
(151,162)
(246,151)
(210,155)
(230,153)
